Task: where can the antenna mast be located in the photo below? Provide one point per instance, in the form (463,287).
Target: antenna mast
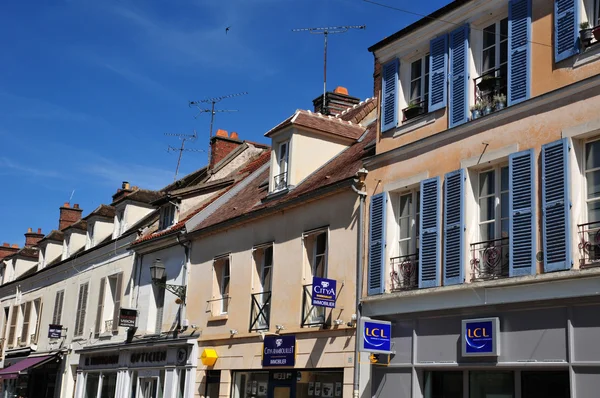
(182,148)
(212,109)
(326,31)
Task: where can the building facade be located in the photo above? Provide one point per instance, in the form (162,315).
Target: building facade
(485,202)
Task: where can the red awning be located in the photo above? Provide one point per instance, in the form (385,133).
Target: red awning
(13,371)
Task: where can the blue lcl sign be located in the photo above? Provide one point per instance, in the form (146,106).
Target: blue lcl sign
(376,336)
(323,292)
(480,337)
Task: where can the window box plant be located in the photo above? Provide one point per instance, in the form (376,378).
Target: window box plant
(476,111)
(499,102)
(486,107)
(488,83)
(585,34)
(413,110)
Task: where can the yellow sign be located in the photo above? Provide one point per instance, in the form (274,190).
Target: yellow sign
(209,357)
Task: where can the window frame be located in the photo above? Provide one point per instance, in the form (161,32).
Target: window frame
(414,214)
(221,264)
(497,195)
(282,168)
(167,216)
(586,200)
(498,40)
(424,84)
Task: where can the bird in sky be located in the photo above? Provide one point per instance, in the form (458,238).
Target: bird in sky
(227,29)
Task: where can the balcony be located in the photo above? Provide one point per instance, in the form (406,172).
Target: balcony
(260,311)
(489,259)
(490,93)
(311,315)
(589,244)
(280,181)
(405,272)
(415,109)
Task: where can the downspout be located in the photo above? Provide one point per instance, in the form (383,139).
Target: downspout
(186,248)
(360,189)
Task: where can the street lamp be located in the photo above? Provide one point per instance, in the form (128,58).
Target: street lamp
(158,273)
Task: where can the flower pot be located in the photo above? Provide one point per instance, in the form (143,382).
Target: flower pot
(475,114)
(499,106)
(596,32)
(585,36)
(487,110)
(489,84)
(413,112)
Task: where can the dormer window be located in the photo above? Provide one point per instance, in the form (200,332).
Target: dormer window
(167,216)
(281,176)
(65,249)
(119,223)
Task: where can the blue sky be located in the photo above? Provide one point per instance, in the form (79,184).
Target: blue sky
(88,88)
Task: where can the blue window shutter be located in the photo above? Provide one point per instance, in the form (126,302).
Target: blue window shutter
(566,29)
(556,206)
(521,207)
(459,76)
(438,68)
(519,50)
(454,228)
(429,241)
(376,267)
(389,96)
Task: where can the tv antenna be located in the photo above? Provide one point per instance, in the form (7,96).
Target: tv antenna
(212,110)
(326,31)
(182,148)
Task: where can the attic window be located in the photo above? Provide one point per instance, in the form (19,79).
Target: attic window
(167,216)
(281,177)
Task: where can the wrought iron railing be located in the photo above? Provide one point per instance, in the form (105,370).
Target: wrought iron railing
(218,306)
(489,259)
(280,181)
(415,109)
(311,315)
(489,88)
(405,272)
(589,244)
(260,312)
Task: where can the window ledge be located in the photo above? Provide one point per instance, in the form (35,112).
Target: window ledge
(414,124)
(218,318)
(589,54)
(105,335)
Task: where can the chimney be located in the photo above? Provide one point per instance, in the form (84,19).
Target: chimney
(335,102)
(6,250)
(221,145)
(32,238)
(68,215)
(123,191)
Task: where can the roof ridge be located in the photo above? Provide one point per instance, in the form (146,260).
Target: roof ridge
(345,111)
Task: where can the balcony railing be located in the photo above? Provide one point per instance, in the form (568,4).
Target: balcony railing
(414,110)
(280,181)
(405,272)
(260,312)
(489,259)
(589,244)
(218,306)
(490,93)
(311,315)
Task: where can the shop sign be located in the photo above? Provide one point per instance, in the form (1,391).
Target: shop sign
(148,357)
(279,351)
(102,360)
(481,337)
(283,376)
(323,292)
(127,317)
(376,336)
(54,331)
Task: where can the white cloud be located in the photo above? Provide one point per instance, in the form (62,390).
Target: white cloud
(10,167)
(111,172)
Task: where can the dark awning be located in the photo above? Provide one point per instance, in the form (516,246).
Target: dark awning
(13,371)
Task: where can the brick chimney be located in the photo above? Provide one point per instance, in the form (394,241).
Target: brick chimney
(32,238)
(335,102)
(6,250)
(68,215)
(221,145)
(123,191)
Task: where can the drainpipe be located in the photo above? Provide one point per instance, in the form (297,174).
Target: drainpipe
(360,189)
(186,248)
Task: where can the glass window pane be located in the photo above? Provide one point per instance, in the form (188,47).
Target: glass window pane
(505,227)
(415,69)
(109,385)
(491,384)
(594,211)
(545,384)
(503,52)
(91,385)
(504,178)
(321,243)
(593,184)
(487,184)
(404,247)
(487,209)
(504,205)
(592,155)
(504,29)
(441,384)
(489,35)
(404,228)
(487,232)
(488,60)
(405,202)
(415,91)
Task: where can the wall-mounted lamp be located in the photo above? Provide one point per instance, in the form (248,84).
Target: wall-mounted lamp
(361,174)
(279,327)
(233,331)
(338,322)
(158,273)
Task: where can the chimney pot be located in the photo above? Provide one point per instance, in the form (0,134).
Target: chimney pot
(125,185)
(29,230)
(234,135)
(76,206)
(222,133)
(67,204)
(68,216)
(39,230)
(341,90)
(15,245)
(6,244)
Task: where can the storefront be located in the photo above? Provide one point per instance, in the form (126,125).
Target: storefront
(533,350)
(161,369)
(305,383)
(33,376)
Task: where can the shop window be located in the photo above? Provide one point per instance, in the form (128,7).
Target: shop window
(181,374)
(443,384)
(212,383)
(250,384)
(486,384)
(548,384)
(92,381)
(319,384)
(109,385)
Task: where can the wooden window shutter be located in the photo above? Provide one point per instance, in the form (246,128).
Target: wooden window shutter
(376,266)
(58,305)
(430,240)
(438,69)
(99,314)
(519,50)
(454,228)
(26,321)
(13,326)
(117,302)
(458,111)
(81,309)
(566,29)
(38,321)
(389,96)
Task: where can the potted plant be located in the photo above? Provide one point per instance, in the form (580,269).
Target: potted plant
(486,107)
(499,102)
(488,83)
(585,33)
(414,109)
(476,111)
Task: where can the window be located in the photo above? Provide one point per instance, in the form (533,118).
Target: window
(261,298)
(494,54)
(490,254)
(316,250)
(418,93)
(65,249)
(58,305)
(167,216)
(81,309)
(281,178)
(37,315)
(89,237)
(404,273)
(591,224)
(222,273)
(12,331)
(119,223)
(26,310)
(592,11)
(107,317)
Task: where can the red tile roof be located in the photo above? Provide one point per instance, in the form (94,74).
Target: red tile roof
(317,121)
(359,111)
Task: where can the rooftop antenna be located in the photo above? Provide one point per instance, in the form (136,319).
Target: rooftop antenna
(182,148)
(212,109)
(326,31)
(71,197)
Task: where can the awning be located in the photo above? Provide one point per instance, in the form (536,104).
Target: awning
(13,371)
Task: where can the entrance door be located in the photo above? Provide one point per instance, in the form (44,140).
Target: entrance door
(282,392)
(282,389)
(148,388)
